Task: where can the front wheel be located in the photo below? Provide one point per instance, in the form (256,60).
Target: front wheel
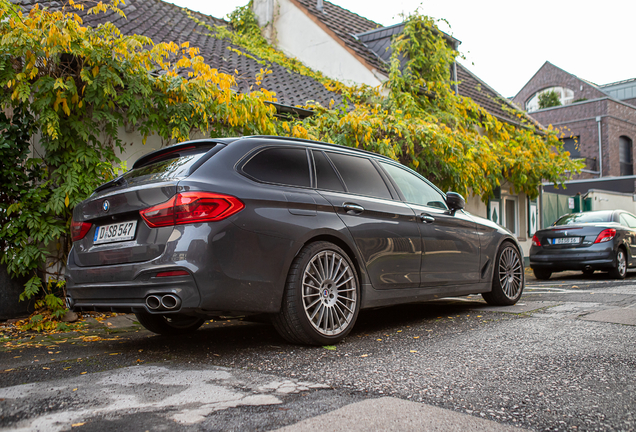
(172,324)
(620,270)
(322,296)
(508,277)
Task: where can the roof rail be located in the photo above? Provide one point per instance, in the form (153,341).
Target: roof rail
(340,146)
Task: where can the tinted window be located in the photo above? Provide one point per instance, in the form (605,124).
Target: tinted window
(590,217)
(167,167)
(326,177)
(360,176)
(280,165)
(414,189)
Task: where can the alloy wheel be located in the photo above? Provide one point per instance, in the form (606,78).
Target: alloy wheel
(510,272)
(329,293)
(622,262)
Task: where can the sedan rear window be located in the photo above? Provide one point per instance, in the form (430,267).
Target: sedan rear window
(578,218)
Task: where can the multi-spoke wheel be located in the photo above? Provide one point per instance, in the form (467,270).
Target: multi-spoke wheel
(170,324)
(321,296)
(620,270)
(508,277)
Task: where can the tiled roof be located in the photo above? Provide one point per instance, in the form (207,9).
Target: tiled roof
(379,40)
(165,22)
(346,24)
(485,96)
(372,42)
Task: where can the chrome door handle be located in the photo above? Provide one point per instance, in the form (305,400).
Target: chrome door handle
(353,208)
(427,218)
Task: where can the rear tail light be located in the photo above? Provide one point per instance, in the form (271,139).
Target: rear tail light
(535,241)
(79,230)
(192,207)
(605,235)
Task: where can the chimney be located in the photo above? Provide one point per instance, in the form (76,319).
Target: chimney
(319,5)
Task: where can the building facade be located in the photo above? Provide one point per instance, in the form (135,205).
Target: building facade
(597,123)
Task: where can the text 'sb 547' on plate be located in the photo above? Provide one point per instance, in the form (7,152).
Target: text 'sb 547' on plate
(115,232)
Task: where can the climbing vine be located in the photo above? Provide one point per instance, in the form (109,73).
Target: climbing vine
(421,122)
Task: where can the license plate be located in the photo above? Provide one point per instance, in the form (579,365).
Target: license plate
(115,232)
(566,240)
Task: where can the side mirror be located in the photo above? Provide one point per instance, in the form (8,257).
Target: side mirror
(455,201)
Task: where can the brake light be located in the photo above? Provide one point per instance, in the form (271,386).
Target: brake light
(79,229)
(535,241)
(605,235)
(192,207)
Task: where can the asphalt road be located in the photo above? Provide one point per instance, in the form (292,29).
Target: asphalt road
(561,359)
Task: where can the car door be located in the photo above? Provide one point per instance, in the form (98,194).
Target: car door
(629,222)
(384,229)
(450,241)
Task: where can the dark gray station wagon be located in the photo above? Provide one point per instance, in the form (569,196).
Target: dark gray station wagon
(306,232)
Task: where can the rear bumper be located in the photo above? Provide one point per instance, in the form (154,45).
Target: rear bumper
(114,295)
(564,259)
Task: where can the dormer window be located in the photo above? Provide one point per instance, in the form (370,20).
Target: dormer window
(566,96)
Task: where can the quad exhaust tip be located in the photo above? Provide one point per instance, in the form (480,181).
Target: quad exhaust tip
(163,302)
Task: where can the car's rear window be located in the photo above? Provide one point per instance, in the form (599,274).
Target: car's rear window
(578,218)
(172,166)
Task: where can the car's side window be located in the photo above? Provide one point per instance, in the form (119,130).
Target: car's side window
(628,220)
(326,177)
(414,189)
(360,175)
(288,166)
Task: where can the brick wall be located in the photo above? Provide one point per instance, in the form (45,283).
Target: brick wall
(551,76)
(579,119)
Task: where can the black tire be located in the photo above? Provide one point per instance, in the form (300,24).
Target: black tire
(620,267)
(508,277)
(313,293)
(171,324)
(542,274)
(588,272)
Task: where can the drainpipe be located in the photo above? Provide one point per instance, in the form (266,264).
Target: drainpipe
(600,148)
(456,87)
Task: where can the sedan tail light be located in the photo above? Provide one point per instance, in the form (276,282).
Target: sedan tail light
(605,235)
(192,207)
(535,241)
(79,229)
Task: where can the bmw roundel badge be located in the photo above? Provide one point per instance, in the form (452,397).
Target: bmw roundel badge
(105,206)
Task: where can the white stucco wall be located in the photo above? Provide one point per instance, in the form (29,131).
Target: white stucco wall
(605,200)
(298,36)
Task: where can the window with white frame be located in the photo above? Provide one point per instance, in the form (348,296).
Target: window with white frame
(510,217)
(566,96)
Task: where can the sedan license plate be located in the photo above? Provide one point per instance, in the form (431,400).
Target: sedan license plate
(115,232)
(566,240)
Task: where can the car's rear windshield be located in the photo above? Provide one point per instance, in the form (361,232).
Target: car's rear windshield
(578,218)
(169,166)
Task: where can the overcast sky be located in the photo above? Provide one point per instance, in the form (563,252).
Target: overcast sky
(506,41)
